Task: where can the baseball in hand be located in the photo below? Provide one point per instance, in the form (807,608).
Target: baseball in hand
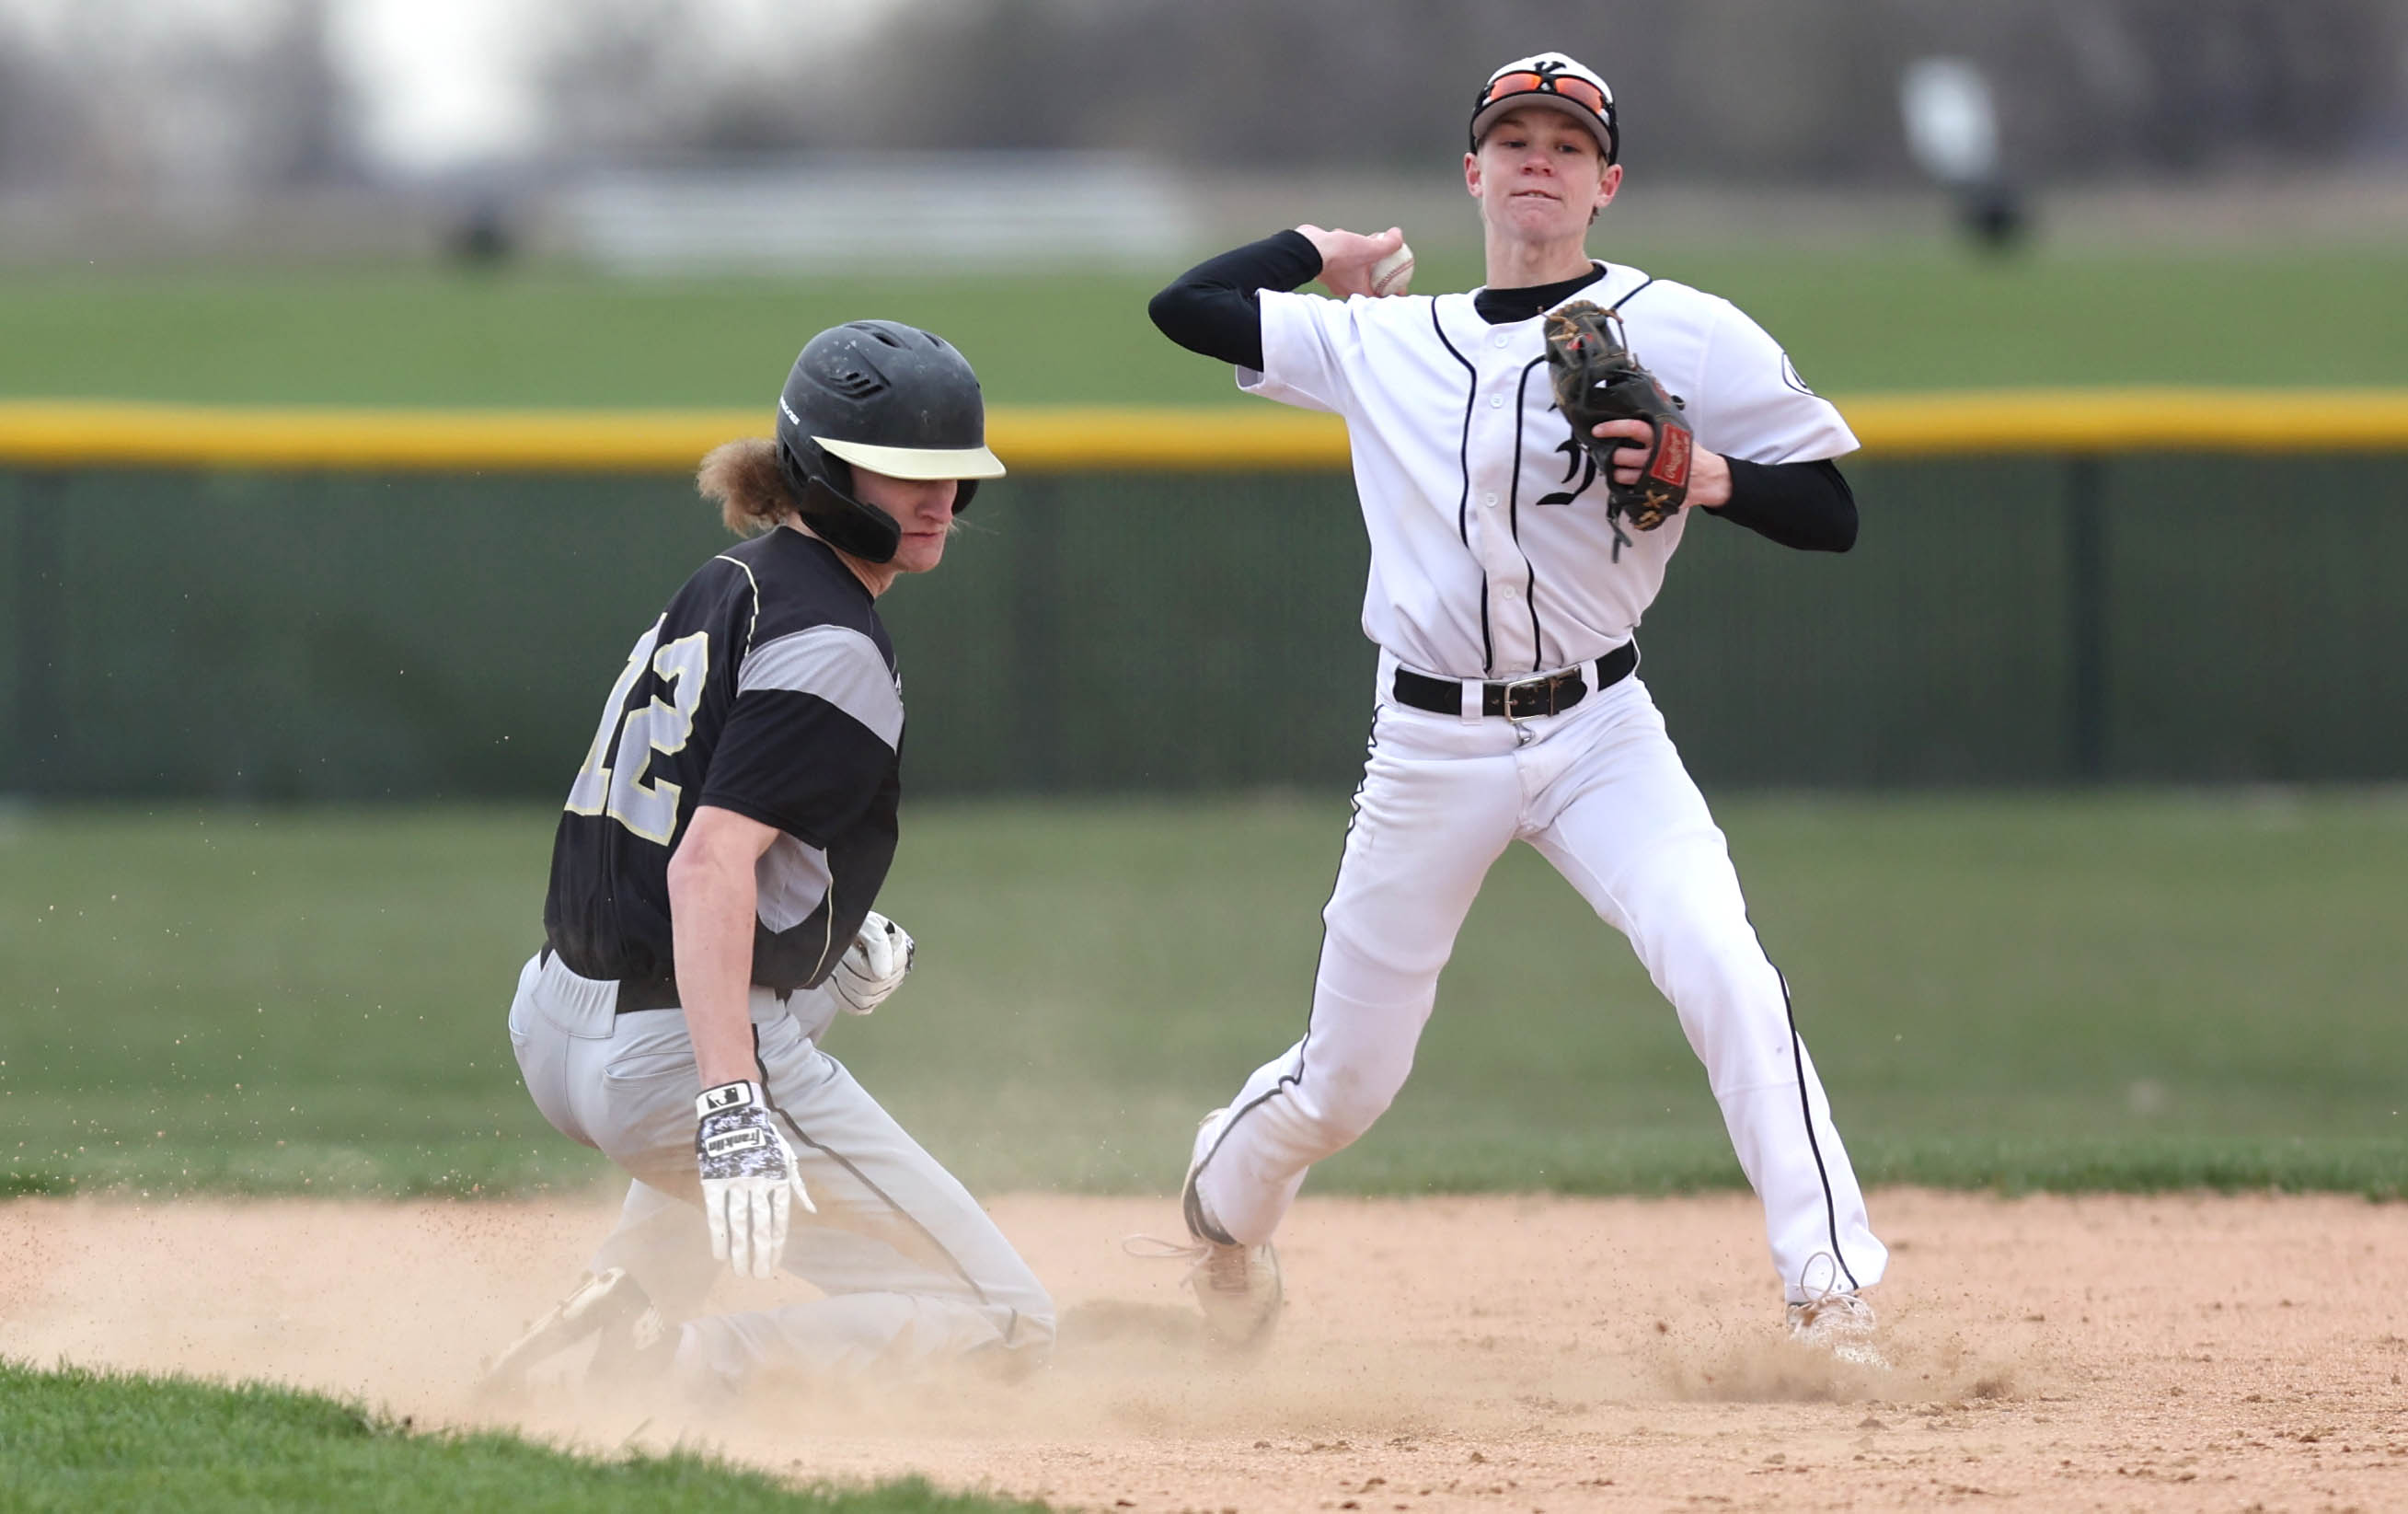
(1393,274)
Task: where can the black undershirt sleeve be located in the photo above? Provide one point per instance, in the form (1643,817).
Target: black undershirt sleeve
(1212,310)
(1805,505)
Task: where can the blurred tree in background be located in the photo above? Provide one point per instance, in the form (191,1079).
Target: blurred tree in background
(1709,89)
(120,97)
(124,96)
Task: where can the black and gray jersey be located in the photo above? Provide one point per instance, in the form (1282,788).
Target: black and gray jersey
(768,687)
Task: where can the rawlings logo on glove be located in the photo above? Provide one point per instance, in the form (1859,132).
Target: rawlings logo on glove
(749,1181)
(1597,379)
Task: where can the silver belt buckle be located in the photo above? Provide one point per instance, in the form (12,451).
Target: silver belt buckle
(1542,680)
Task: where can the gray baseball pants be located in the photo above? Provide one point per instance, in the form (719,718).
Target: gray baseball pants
(912,1270)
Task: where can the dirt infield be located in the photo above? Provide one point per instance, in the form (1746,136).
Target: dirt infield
(1489,1354)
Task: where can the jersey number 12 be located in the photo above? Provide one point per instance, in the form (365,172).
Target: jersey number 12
(618,791)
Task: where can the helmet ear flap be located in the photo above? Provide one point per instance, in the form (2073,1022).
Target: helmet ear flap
(804,462)
(834,470)
(963,490)
(851,526)
(823,486)
(791,469)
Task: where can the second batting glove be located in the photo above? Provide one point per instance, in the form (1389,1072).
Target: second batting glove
(750,1178)
(873,966)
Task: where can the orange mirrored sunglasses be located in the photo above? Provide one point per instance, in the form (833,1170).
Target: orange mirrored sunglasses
(1527,81)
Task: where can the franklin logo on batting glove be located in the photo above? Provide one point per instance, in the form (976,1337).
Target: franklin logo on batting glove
(749,1182)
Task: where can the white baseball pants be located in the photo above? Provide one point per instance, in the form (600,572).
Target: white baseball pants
(912,1270)
(1602,793)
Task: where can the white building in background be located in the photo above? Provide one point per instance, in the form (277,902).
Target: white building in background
(951,211)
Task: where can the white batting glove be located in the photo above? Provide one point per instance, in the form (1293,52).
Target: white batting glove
(873,966)
(750,1177)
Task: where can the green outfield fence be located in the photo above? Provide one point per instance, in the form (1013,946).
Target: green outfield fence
(2051,588)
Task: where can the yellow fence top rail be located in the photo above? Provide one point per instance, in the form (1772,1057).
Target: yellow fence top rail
(1090,439)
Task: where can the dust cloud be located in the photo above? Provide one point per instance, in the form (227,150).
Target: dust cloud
(1439,1354)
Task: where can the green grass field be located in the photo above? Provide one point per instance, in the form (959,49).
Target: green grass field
(2120,990)
(1900,320)
(80,1442)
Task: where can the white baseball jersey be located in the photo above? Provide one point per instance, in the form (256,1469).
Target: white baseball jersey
(1492,553)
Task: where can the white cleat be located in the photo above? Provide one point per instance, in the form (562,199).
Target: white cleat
(1236,1286)
(1238,1290)
(634,1345)
(1837,1320)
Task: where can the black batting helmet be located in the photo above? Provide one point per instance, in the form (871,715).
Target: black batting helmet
(889,397)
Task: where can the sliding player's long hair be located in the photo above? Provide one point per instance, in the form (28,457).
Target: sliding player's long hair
(742,478)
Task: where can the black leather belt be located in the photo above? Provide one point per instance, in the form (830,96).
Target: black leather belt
(1522,699)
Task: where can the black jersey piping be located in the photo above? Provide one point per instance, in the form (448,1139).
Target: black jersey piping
(864,1178)
(1191,1204)
(1463,445)
(1514,516)
(1806,1113)
(1463,463)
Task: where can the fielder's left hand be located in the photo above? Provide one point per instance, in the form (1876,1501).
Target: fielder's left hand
(750,1177)
(873,966)
(1709,473)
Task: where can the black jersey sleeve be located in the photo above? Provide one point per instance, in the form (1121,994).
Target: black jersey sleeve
(1805,505)
(1212,308)
(813,735)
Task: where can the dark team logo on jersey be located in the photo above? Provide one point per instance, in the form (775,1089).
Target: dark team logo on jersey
(1578,460)
(1789,376)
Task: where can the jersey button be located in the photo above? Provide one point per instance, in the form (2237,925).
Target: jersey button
(1488,499)
(1504,341)
(1495,401)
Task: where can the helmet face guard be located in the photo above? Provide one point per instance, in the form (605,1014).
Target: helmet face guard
(888,397)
